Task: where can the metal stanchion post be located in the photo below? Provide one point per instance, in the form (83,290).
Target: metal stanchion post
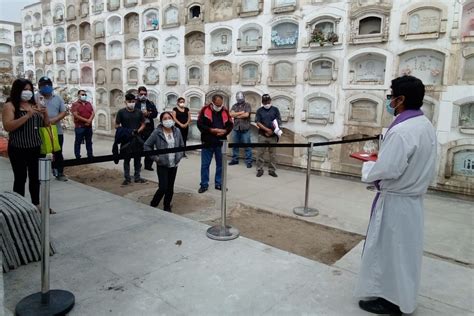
(46,302)
(305,210)
(223,231)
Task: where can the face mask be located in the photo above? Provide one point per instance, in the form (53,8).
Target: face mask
(168,123)
(130,106)
(142,98)
(26,95)
(267,106)
(216,108)
(83,97)
(240,97)
(181,104)
(46,90)
(388,107)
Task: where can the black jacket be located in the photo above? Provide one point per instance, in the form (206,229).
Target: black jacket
(150,107)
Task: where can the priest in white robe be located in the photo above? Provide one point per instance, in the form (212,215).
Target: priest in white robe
(391,261)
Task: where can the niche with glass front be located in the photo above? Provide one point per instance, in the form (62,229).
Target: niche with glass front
(321,70)
(284,38)
(250,38)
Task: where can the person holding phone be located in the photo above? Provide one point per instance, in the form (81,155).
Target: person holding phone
(56,112)
(22,118)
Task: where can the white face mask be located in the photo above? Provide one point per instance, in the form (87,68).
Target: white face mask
(181,104)
(267,106)
(26,95)
(130,106)
(168,123)
(217,108)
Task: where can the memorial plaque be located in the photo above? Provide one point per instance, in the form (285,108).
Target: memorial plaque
(116,76)
(319,108)
(321,70)
(282,71)
(86,75)
(114,25)
(171,16)
(72,33)
(284,106)
(72,55)
(426,20)
(115,50)
(427,65)
(220,73)
(463,163)
(363,111)
(221,42)
(250,5)
(221,10)
(133,49)
(171,47)
(195,44)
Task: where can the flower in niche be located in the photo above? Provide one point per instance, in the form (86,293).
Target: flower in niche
(435,72)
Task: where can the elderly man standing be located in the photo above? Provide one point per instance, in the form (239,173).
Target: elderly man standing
(56,112)
(391,261)
(240,111)
(83,114)
(215,123)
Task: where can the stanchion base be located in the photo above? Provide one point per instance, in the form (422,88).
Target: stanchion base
(305,211)
(218,233)
(60,303)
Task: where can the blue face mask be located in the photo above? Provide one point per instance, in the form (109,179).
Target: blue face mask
(388,106)
(46,90)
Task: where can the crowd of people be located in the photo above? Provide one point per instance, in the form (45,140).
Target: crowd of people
(135,132)
(393,250)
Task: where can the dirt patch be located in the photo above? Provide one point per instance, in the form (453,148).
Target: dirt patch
(313,241)
(105,179)
(184,202)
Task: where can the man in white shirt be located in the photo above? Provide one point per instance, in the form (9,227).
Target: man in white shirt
(391,260)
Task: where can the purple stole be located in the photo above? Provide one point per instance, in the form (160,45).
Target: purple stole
(405,115)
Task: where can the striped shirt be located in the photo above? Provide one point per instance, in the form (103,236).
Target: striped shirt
(27,135)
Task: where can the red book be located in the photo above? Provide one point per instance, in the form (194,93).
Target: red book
(361,155)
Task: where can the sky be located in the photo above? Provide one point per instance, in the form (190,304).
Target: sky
(10,10)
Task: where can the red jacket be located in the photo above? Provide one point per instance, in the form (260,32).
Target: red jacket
(206,121)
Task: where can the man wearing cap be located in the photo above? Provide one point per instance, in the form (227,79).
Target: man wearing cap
(240,111)
(83,113)
(56,112)
(268,120)
(149,111)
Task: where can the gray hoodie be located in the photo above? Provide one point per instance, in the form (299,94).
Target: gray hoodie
(157,140)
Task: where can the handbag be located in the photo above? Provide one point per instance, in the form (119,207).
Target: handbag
(49,140)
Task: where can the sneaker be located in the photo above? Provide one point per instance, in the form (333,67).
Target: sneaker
(141,180)
(259,173)
(62,178)
(233,162)
(202,189)
(249,165)
(272,173)
(126,182)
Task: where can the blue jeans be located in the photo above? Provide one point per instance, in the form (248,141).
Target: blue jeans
(206,158)
(83,133)
(241,137)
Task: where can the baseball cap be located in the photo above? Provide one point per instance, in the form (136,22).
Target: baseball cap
(45,81)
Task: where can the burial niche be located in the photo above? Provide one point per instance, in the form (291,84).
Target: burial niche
(466,116)
(58,14)
(28,41)
(97,6)
(280,6)
(132,49)
(363,110)
(468,69)
(37,40)
(250,8)
(99,30)
(150,48)
(85,31)
(194,75)
(100,51)
(115,50)
(151,20)
(84,8)
(250,38)
(195,14)
(321,71)
(29,57)
(72,33)
(39,57)
(71,13)
(73,76)
(423,22)
(171,17)
(60,55)
(61,76)
(220,73)
(151,75)
(282,74)
(323,31)
(249,74)
(116,75)
(367,69)
(195,43)
(171,100)
(195,102)
(116,98)
(172,75)
(221,42)
(113,5)
(86,54)
(221,10)
(132,24)
(86,75)
(284,36)
(172,46)
(132,75)
(427,65)
(114,25)
(49,57)
(319,109)
(467,24)
(463,163)
(285,106)
(319,151)
(100,76)
(72,55)
(47,38)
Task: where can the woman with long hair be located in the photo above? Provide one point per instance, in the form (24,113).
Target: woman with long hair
(166,135)
(182,118)
(22,119)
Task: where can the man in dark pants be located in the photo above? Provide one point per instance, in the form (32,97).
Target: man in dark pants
(83,113)
(132,120)
(56,112)
(240,111)
(215,123)
(149,111)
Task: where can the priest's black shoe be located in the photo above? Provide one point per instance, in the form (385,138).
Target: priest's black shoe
(380,306)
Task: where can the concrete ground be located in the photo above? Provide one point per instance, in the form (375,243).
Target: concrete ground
(121,258)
